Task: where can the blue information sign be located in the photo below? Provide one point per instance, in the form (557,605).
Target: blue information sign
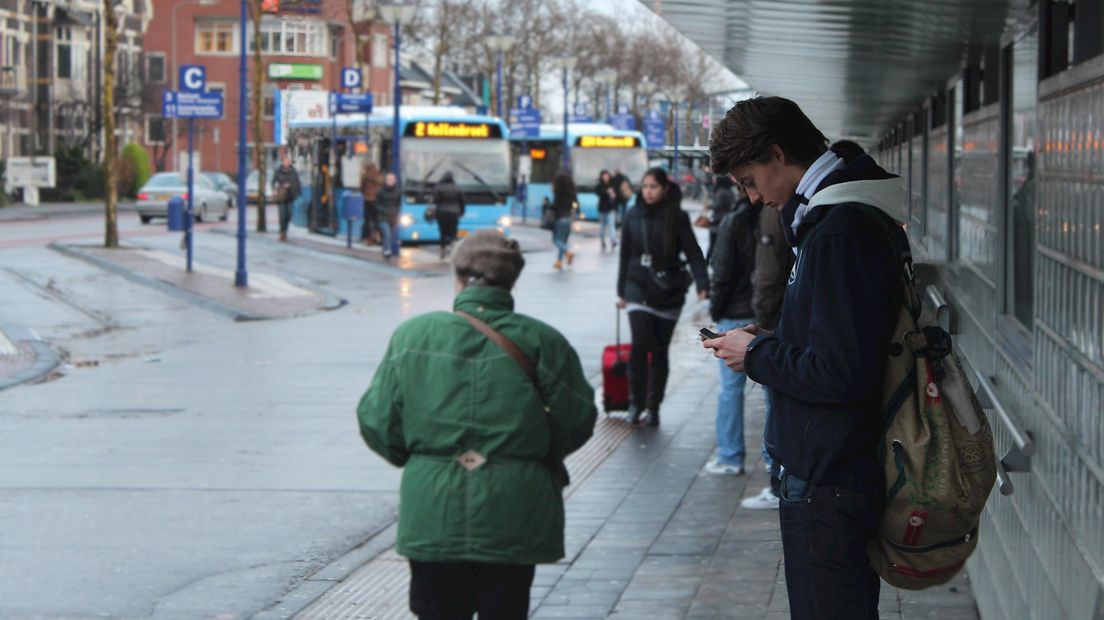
(350,77)
(350,104)
(524,101)
(623,121)
(191,105)
(193,78)
(655,131)
(525,122)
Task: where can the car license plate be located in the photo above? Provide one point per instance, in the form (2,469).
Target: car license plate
(162,196)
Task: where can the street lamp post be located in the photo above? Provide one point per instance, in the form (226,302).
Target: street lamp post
(241,276)
(568,63)
(397,14)
(498,43)
(607,77)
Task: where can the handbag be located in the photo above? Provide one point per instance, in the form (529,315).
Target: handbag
(666,288)
(548,217)
(430,213)
(281,193)
(551,461)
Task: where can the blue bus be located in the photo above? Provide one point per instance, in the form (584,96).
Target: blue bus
(435,141)
(593,147)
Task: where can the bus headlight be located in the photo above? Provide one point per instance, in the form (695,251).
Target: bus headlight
(406,220)
(505,221)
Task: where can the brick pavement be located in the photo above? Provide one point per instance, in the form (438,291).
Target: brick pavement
(650,535)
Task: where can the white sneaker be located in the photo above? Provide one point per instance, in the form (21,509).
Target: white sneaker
(764,501)
(714,467)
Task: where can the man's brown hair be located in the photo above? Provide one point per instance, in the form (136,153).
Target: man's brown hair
(752,126)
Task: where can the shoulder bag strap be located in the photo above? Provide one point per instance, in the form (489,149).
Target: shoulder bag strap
(506,345)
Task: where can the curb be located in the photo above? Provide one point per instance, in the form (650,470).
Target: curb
(46,361)
(330,300)
(314,587)
(373,264)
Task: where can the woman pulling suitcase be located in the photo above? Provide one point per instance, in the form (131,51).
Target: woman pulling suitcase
(652,282)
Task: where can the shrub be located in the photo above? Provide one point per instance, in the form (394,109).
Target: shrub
(135,163)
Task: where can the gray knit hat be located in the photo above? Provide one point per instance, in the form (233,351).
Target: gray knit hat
(488,258)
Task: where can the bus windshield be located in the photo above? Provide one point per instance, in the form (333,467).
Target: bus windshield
(476,165)
(588,163)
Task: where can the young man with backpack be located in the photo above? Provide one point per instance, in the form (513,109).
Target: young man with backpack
(826,363)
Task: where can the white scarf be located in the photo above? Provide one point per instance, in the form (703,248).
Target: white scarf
(825,165)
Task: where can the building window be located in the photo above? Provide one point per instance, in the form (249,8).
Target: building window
(291,37)
(155,68)
(379,51)
(155,129)
(1023,63)
(216,37)
(269,105)
(64,38)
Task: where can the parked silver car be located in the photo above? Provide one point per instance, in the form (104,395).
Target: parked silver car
(153,198)
(225,184)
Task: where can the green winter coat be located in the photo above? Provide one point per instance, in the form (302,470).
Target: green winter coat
(442,389)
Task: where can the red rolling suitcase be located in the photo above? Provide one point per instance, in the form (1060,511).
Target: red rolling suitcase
(615,373)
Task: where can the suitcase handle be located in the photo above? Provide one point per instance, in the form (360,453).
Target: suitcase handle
(618,306)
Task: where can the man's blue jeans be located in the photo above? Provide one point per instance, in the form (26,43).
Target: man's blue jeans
(730,406)
(825,531)
(389,237)
(560,232)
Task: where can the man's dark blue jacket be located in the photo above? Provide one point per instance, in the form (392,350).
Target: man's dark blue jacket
(825,364)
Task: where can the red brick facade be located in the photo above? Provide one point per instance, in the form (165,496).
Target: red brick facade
(209,36)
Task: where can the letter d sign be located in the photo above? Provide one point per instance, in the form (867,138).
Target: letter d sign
(193,78)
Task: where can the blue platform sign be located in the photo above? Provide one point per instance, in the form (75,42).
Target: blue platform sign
(191,104)
(350,77)
(525,122)
(580,115)
(193,78)
(524,102)
(655,131)
(623,121)
(350,104)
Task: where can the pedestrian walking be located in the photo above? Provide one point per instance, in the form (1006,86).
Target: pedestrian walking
(624,193)
(286,183)
(448,208)
(773,260)
(388,208)
(657,242)
(565,202)
(608,202)
(730,306)
(482,441)
(371,180)
(724,201)
(826,362)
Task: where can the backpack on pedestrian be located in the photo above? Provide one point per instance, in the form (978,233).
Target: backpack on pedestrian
(940,464)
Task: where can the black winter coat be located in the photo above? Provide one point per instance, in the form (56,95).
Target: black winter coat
(286,175)
(564,204)
(605,202)
(825,364)
(633,277)
(448,199)
(388,203)
(733,262)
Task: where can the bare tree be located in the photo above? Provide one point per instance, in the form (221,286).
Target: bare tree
(110,160)
(256,13)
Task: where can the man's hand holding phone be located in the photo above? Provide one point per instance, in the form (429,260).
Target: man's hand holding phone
(732,345)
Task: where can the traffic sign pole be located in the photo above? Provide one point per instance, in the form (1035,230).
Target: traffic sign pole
(190,219)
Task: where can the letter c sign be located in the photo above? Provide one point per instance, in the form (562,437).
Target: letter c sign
(193,78)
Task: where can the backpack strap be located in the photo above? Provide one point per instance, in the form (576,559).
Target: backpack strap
(899,241)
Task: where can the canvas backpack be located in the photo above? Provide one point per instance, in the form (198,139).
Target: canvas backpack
(938,448)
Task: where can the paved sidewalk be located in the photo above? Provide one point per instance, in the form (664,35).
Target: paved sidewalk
(649,534)
(209,287)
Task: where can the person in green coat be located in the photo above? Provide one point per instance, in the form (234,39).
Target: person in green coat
(481,501)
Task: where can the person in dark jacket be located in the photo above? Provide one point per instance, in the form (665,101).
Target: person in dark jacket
(371,180)
(724,201)
(773,260)
(481,447)
(730,306)
(286,179)
(564,203)
(620,184)
(388,207)
(448,204)
(825,365)
(607,209)
(651,284)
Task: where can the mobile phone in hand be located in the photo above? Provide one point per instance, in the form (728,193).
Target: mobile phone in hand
(706,334)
